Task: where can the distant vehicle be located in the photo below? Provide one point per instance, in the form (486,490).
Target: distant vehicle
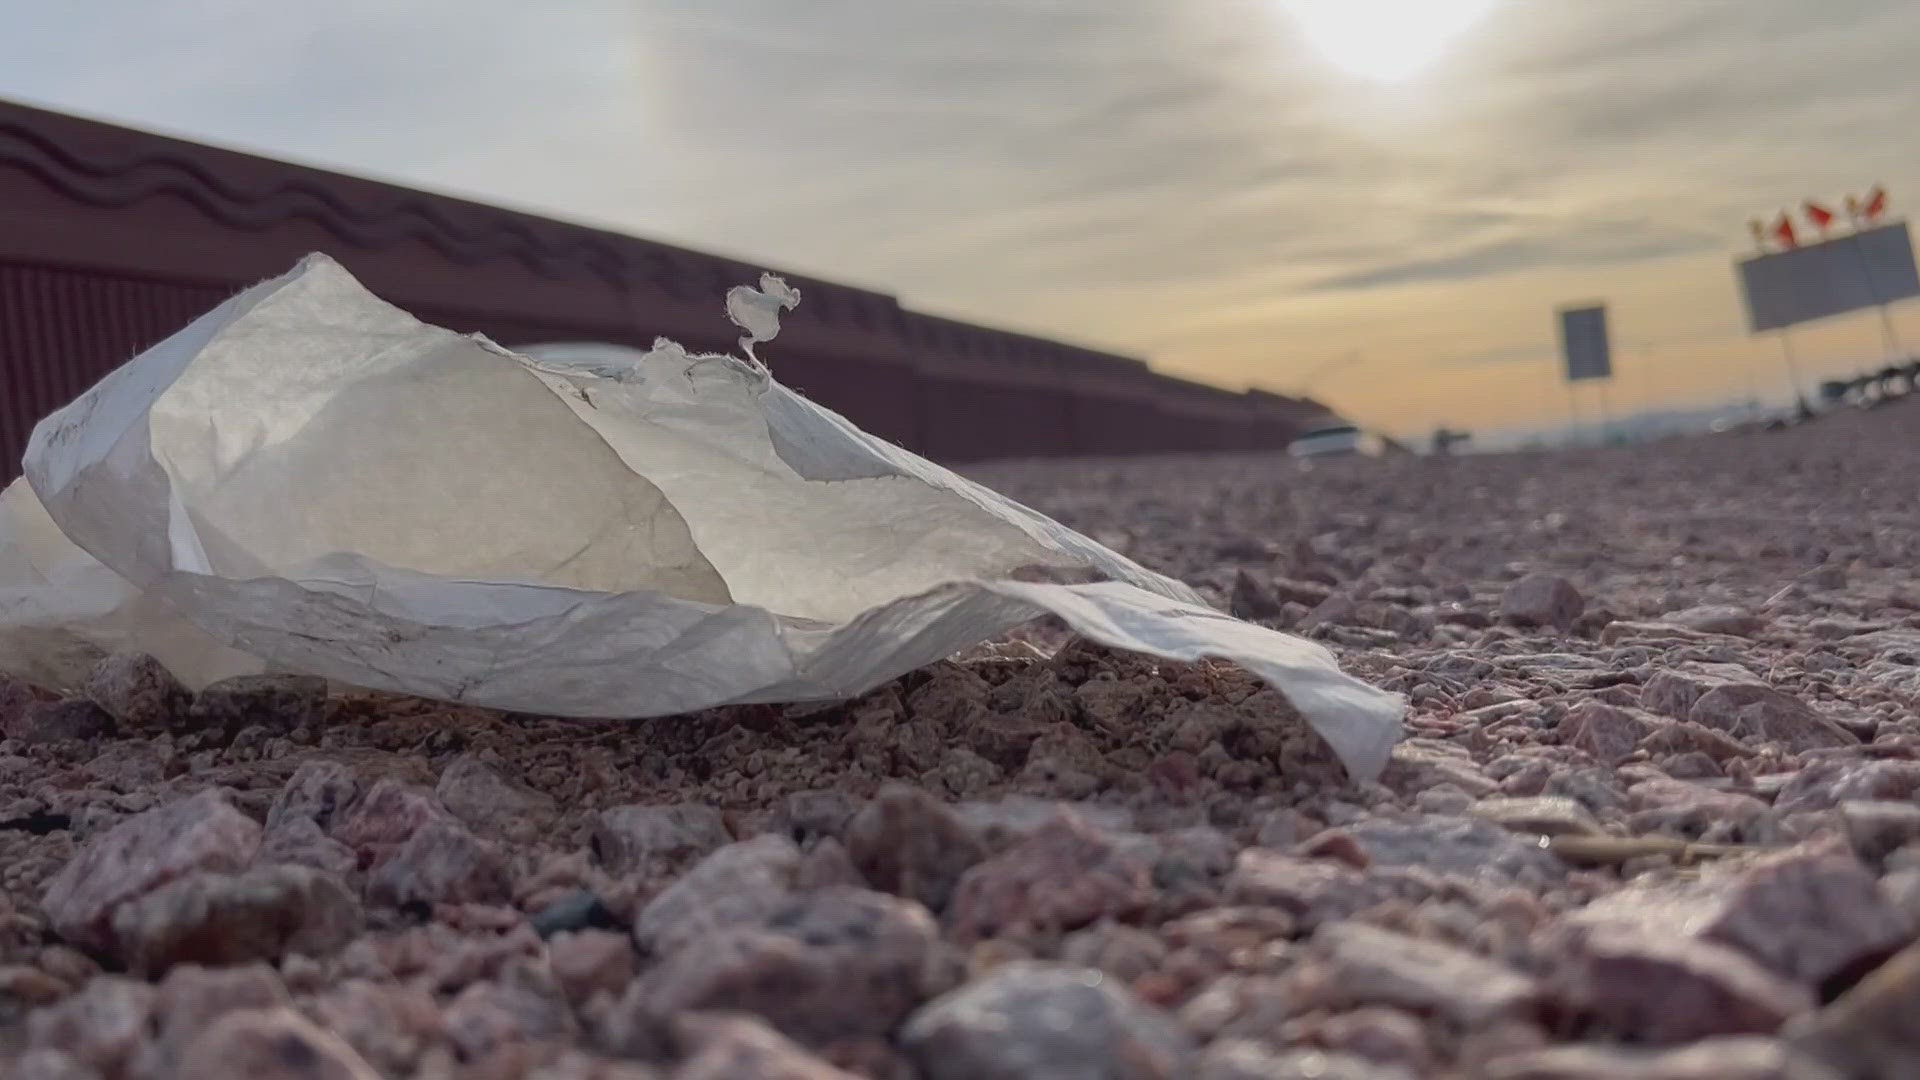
(1338,439)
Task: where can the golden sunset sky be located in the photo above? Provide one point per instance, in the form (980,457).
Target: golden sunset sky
(1241,191)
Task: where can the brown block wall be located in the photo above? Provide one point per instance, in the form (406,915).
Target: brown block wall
(111,239)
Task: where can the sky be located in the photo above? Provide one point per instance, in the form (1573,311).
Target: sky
(1198,182)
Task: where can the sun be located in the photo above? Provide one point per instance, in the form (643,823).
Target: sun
(1387,40)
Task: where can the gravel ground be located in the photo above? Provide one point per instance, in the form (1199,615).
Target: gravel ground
(1655,816)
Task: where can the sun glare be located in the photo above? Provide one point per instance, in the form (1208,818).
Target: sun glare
(1385,39)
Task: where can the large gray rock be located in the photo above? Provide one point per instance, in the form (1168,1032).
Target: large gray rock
(1030,1021)
(139,692)
(738,885)
(443,863)
(825,966)
(492,804)
(211,919)
(1368,966)
(1543,600)
(141,854)
(272,1044)
(655,842)
(1066,875)
(907,843)
(1808,913)
(1665,988)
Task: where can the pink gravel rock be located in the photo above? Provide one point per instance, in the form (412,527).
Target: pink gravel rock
(192,998)
(138,692)
(1110,704)
(906,843)
(1540,816)
(1335,845)
(1808,913)
(1364,965)
(1732,1058)
(738,885)
(1027,1021)
(1871,1032)
(826,966)
(1066,875)
(443,863)
(1664,988)
(1124,952)
(102,1026)
(1416,765)
(1542,600)
(1244,1059)
(1238,1005)
(275,702)
(657,841)
(1253,599)
(1608,733)
(1457,846)
(272,1044)
(1877,828)
(587,962)
(24,988)
(487,1017)
(1311,891)
(742,1048)
(300,842)
(319,791)
(1687,737)
(1718,619)
(44,722)
(494,806)
(577,1065)
(1690,811)
(1383,1036)
(1823,785)
(138,856)
(49,1065)
(1827,577)
(15,696)
(1761,714)
(1674,691)
(1335,610)
(389,1024)
(806,816)
(263,914)
(826,864)
(385,817)
(1225,931)
(1295,591)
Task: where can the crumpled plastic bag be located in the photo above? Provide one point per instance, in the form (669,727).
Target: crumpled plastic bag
(307,479)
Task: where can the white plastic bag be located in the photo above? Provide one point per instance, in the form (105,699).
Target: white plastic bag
(308,479)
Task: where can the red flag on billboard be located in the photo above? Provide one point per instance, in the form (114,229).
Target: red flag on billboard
(1821,217)
(1876,203)
(1783,232)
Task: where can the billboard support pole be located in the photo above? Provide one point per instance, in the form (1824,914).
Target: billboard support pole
(1889,337)
(1793,375)
(1894,351)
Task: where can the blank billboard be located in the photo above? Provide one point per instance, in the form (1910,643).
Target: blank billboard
(1833,277)
(1583,343)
